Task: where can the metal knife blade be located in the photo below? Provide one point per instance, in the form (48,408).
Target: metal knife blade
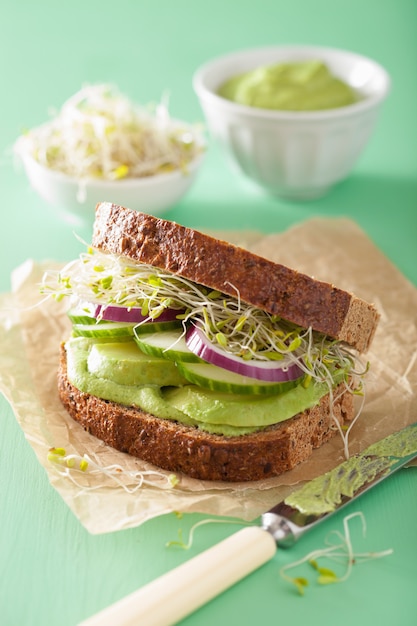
(287,522)
(176,594)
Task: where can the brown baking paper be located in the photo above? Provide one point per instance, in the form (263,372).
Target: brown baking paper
(335,250)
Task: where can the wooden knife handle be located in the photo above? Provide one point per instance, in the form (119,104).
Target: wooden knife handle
(176,594)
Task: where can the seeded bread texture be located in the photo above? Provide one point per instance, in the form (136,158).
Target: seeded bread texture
(219,265)
(188,450)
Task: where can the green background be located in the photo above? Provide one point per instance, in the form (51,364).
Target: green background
(52,570)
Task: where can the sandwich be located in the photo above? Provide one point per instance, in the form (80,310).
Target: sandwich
(202,358)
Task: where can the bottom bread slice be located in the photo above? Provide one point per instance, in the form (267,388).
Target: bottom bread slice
(183,449)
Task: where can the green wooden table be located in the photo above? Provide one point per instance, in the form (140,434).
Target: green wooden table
(52,570)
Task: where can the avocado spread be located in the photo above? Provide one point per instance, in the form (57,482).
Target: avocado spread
(132,382)
(297,86)
(324,493)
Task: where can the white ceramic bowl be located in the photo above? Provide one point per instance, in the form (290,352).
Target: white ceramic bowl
(298,155)
(77,200)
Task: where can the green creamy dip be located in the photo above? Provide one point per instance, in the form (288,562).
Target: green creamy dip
(211,411)
(298,86)
(324,493)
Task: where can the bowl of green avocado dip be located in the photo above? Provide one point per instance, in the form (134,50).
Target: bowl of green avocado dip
(292,86)
(294,120)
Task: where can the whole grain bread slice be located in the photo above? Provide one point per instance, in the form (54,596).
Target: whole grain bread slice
(191,451)
(219,265)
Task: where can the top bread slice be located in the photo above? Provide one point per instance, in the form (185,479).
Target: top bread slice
(219,265)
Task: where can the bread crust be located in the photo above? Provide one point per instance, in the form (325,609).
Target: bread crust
(219,265)
(188,450)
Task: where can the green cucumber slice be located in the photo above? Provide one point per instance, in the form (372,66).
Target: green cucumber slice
(125,364)
(80,316)
(155,327)
(104,330)
(169,344)
(219,379)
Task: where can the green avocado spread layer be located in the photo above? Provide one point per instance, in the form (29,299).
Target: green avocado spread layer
(121,373)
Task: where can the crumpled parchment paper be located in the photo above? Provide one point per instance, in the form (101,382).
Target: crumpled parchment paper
(113,498)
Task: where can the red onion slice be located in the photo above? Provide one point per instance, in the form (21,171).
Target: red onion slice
(268,371)
(114,313)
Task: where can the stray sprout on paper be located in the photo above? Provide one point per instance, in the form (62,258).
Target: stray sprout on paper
(73,466)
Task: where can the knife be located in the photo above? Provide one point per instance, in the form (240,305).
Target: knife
(176,594)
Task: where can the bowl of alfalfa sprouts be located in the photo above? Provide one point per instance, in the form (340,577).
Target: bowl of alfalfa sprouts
(102,146)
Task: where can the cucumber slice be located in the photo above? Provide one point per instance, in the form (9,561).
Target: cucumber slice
(169,344)
(219,379)
(106,330)
(125,364)
(156,327)
(80,316)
